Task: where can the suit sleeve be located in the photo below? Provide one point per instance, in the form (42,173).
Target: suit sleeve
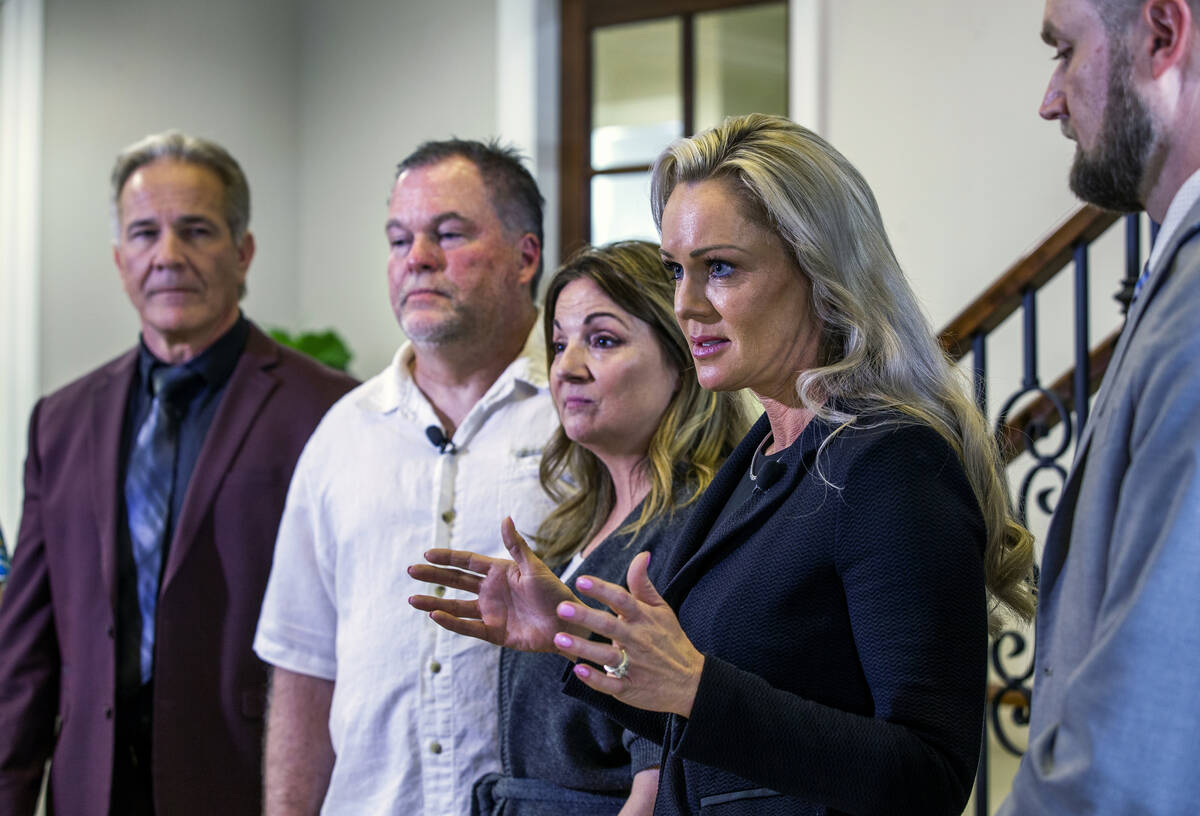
(909,552)
(1126,741)
(29,654)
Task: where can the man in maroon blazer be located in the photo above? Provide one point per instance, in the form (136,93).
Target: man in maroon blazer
(153,489)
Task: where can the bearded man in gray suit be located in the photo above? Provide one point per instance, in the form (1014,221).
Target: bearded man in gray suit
(1116,718)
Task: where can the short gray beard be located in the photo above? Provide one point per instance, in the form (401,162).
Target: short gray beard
(450,330)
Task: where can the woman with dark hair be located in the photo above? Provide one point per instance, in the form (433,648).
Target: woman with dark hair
(819,642)
(639,441)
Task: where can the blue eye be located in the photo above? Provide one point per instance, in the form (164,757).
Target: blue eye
(605,341)
(557,347)
(674,270)
(719,269)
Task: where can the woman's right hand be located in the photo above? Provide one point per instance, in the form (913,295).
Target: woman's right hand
(515,600)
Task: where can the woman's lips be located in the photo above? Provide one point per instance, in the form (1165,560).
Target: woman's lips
(708,346)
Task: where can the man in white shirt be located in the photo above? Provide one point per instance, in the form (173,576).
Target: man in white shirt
(1116,720)
(375,709)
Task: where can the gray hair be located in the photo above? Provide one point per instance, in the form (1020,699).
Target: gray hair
(178,146)
(877,352)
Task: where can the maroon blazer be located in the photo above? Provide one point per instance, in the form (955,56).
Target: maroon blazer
(58,617)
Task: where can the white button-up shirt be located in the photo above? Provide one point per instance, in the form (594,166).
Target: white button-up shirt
(413,720)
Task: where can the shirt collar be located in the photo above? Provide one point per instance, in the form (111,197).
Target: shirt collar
(398,391)
(214,365)
(1180,206)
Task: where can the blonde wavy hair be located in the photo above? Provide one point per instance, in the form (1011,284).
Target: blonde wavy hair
(697,432)
(877,352)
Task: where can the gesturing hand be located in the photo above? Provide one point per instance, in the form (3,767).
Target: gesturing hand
(664,667)
(516,600)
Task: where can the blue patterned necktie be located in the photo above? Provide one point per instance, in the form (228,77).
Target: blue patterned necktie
(149,481)
(1141,281)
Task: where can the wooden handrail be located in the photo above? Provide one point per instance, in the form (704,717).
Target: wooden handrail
(1003,297)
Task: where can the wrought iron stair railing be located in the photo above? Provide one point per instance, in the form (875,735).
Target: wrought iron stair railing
(1063,402)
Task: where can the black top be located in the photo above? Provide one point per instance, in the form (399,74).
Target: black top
(214,365)
(758,477)
(843,620)
(548,736)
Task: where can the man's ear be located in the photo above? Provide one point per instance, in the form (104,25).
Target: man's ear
(245,251)
(1170,33)
(531,252)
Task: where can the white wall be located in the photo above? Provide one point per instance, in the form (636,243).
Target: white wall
(377,78)
(118,70)
(935,102)
(21,40)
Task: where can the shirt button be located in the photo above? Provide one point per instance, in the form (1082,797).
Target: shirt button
(439,591)
(110,632)
(435,667)
(449,516)
(435,747)
(1047,671)
(108,713)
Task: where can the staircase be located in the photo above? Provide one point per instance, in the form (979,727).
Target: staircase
(1030,413)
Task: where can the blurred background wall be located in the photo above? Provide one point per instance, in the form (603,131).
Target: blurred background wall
(934,101)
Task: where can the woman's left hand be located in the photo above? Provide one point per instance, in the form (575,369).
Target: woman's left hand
(664,667)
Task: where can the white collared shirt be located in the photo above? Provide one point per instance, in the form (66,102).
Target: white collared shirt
(414,719)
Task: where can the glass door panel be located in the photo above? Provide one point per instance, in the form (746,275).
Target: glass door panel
(637,99)
(741,63)
(621,207)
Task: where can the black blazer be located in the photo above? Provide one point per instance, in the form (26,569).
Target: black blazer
(843,620)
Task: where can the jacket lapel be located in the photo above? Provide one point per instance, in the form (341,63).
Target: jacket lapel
(713,541)
(1186,232)
(248,388)
(701,518)
(1058,536)
(109,397)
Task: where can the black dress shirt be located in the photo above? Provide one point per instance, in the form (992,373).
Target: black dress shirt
(214,365)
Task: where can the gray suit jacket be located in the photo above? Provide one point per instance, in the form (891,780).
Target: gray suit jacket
(1116,713)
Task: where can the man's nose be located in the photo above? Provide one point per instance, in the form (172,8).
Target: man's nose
(1054,103)
(424,254)
(169,250)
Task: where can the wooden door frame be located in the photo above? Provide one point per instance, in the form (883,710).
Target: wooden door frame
(578,19)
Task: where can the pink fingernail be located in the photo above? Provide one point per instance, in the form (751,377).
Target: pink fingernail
(562,640)
(584,583)
(565,610)
(583,671)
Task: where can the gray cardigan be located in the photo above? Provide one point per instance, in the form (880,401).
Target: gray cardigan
(547,736)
